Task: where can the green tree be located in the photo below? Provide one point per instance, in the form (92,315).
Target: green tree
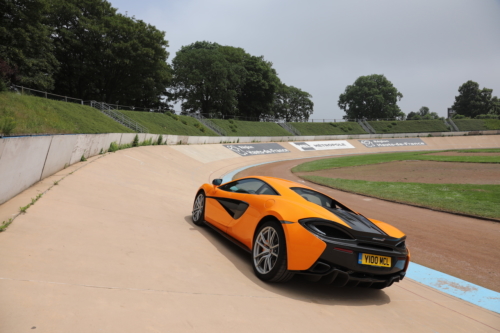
(370,97)
(207,78)
(25,44)
(107,56)
(472,101)
(257,94)
(292,104)
(422,114)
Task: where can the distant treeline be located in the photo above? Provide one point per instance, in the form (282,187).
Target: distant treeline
(86,49)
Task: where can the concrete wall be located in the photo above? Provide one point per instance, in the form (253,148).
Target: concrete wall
(59,155)
(21,164)
(27,160)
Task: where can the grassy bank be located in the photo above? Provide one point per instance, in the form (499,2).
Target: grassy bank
(328,128)
(250,128)
(409,126)
(477,124)
(160,123)
(36,115)
(348,161)
(478,200)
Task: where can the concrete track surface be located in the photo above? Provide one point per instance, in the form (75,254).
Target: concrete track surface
(112,248)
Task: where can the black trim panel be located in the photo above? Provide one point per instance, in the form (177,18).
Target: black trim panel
(233,240)
(233,207)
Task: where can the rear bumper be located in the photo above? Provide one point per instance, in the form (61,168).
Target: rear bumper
(338,265)
(339,277)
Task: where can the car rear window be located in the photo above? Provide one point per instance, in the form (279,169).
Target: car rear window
(314,197)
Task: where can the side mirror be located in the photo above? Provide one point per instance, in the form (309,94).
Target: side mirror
(217,182)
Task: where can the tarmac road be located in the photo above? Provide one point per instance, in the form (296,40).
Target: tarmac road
(112,249)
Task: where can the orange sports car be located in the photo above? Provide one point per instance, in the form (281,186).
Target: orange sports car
(293,229)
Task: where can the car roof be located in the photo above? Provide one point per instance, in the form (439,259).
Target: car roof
(278,184)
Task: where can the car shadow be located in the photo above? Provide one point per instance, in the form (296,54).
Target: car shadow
(298,288)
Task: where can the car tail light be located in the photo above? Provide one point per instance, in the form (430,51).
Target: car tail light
(407,260)
(343,250)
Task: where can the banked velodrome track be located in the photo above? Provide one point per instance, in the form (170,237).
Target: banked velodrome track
(112,248)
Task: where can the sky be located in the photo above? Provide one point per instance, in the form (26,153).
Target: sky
(426,48)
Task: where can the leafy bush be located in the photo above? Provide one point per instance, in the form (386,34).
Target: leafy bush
(147,142)
(160,140)
(394,123)
(184,122)
(135,143)
(3,85)
(113,147)
(7,125)
(487,116)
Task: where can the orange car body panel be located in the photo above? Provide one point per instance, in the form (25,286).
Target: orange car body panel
(303,247)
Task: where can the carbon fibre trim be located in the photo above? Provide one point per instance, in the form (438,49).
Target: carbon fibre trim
(233,207)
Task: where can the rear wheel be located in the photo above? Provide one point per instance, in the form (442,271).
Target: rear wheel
(199,209)
(269,253)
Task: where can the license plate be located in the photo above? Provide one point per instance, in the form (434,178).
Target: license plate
(374,260)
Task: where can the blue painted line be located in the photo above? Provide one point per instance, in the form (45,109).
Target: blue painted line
(472,293)
(451,285)
(229,176)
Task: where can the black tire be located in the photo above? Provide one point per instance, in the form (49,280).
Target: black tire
(270,264)
(199,212)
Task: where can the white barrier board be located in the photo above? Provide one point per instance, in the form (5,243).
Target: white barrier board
(322,145)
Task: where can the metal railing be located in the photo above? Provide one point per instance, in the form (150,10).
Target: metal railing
(370,128)
(290,129)
(28,91)
(118,116)
(454,127)
(208,123)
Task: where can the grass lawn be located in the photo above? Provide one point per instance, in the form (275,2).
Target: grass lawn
(36,115)
(477,124)
(160,123)
(328,128)
(492,150)
(409,126)
(478,200)
(347,161)
(250,128)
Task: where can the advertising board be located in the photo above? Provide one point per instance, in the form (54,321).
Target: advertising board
(322,145)
(378,143)
(251,149)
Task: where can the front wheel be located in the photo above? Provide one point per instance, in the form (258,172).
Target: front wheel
(269,253)
(199,209)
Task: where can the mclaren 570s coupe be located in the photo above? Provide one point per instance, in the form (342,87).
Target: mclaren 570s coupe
(291,229)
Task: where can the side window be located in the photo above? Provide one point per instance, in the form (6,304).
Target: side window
(251,186)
